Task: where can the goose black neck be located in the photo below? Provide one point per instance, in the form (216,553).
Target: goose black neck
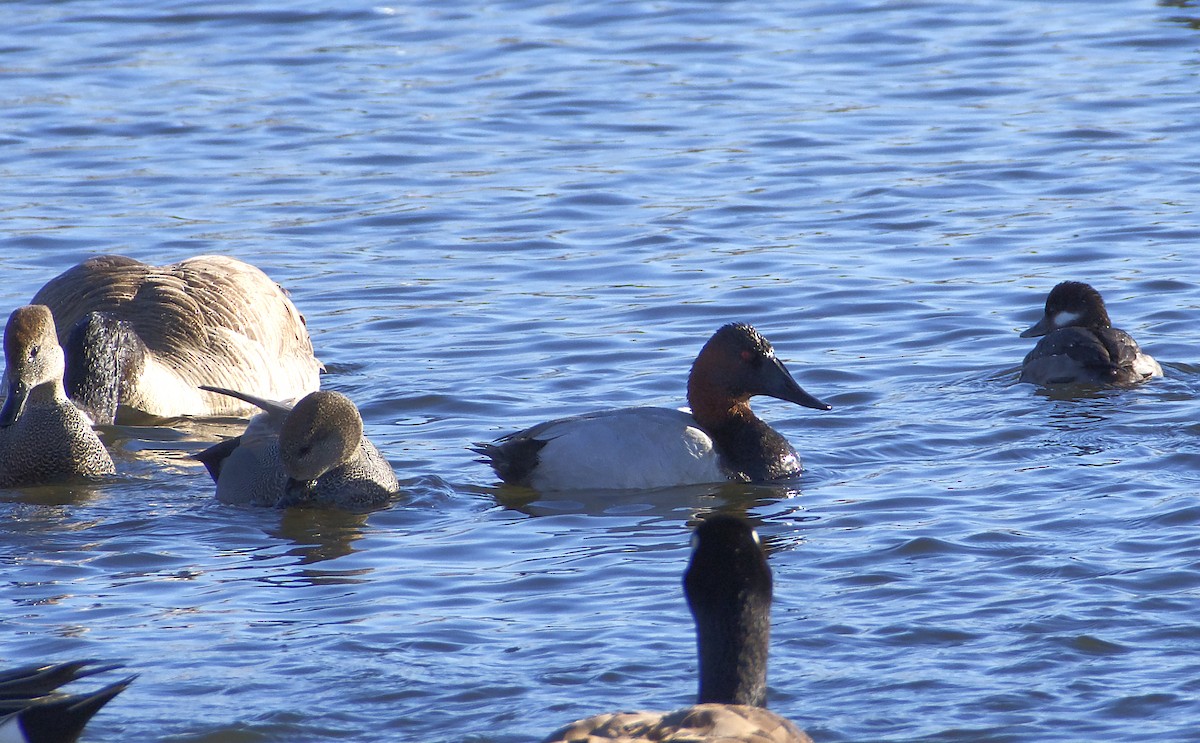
(103,355)
(728,587)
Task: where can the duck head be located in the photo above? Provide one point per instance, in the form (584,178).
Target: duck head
(737,363)
(323,431)
(32,357)
(1071,304)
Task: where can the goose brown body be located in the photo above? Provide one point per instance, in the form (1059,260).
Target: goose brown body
(141,339)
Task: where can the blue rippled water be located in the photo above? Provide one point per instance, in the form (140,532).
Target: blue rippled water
(492,214)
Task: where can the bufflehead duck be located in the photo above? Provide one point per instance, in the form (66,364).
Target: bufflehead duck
(43,436)
(728,587)
(310,454)
(1080,344)
(141,339)
(644,447)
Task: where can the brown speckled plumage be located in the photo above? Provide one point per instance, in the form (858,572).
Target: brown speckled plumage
(702,723)
(43,437)
(312,454)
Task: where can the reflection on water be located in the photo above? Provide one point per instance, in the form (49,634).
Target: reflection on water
(320,534)
(47,497)
(666,503)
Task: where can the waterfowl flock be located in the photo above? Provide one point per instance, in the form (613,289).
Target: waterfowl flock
(115,341)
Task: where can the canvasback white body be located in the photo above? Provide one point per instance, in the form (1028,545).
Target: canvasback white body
(655,448)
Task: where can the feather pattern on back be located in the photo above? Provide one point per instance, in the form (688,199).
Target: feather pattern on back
(207,320)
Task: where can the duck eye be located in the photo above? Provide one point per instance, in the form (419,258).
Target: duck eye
(33,351)
(753,358)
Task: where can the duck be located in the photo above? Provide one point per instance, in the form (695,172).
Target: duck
(32,710)
(728,586)
(718,439)
(1079,345)
(312,453)
(44,438)
(140,340)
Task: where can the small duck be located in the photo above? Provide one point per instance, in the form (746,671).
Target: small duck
(728,587)
(310,454)
(43,437)
(643,447)
(140,340)
(1080,345)
(32,710)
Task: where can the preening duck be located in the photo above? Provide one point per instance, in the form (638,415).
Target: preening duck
(645,447)
(141,340)
(728,587)
(43,437)
(1080,344)
(310,454)
(32,710)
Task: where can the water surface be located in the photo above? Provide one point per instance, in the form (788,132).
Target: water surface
(494,214)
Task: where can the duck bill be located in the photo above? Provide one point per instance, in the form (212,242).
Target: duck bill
(296,492)
(1041,327)
(18,394)
(780,384)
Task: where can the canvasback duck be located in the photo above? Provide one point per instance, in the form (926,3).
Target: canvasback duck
(33,710)
(310,454)
(43,437)
(1080,345)
(644,447)
(728,588)
(141,340)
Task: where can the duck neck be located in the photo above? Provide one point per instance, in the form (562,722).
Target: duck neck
(749,448)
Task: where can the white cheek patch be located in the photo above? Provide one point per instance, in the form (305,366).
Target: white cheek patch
(1064,318)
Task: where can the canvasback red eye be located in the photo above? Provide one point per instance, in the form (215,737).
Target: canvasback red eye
(747,355)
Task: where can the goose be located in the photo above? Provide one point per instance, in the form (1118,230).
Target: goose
(141,339)
(645,447)
(1080,345)
(728,587)
(43,437)
(310,454)
(32,710)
